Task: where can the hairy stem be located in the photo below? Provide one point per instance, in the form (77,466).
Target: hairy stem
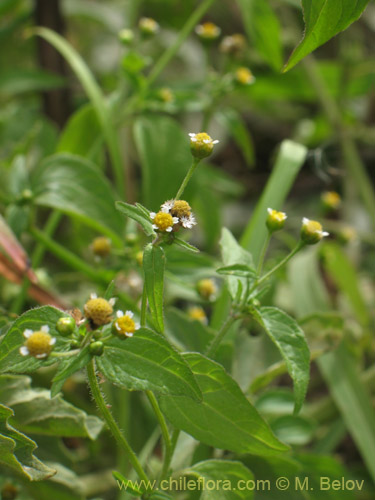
(187,178)
(111,423)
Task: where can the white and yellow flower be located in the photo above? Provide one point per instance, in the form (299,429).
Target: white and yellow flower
(38,344)
(201,144)
(125,326)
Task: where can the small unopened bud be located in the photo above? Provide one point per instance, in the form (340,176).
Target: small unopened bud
(65,326)
(207,289)
(126,36)
(96,348)
(275,220)
(201,145)
(312,231)
(101,246)
(244,76)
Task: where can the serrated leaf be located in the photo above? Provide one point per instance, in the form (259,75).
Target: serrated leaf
(16,451)
(153,267)
(74,186)
(147,361)
(323,20)
(68,367)
(230,476)
(287,335)
(233,254)
(10,358)
(136,213)
(35,412)
(225,418)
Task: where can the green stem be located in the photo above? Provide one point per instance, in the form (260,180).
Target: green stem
(349,149)
(220,335)
(263,253)
(168,459)
(184,33)
(187,178)
(111,423)
(282,263)
(70,258)
(144,306)
(163,427)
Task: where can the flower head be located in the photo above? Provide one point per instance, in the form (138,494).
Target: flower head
(331,200)
(198,314)
(38,344)
(148,26)
(275,220)
(207,289)
(201,145)
(181,210)
(233,44)
(312,231)
(98,310)
(244,76)
(124,326)
(65,325)
(101,246)
(208,32)
(163,221)
(165,94)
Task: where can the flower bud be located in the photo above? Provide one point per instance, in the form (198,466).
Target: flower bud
(96,348)
(101,246)
(244,76)
(126,36)
(201,145)
(207,289)
(330,200)
(65,326)
(312,231)
(275,220)
(148,27)
(208,32)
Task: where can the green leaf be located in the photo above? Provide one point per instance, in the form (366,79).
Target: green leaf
(233,254)
(354,402)
(16,451)
(153,267)
(236,127)
(82,133)
(345,276)
(184,244)
(137,214)
(241,270)
(225,418)
(285,332)
(147,361)
(28,80)
(323,20)
(35,412)
(10,358)
(165,157)
(230,476)
(68,367)
(288,163)
(294,430)
(192,334)
(76,187)
(263,28)
(94,92)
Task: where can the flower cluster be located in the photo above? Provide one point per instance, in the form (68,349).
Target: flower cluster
(173,214)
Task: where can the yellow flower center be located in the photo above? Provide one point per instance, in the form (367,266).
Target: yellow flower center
(244,76)
(181,208)
(209,30)
(101,246)
(99,311)
(198,314)
(125,325)
(163,221)
(206,288)
(278,216)
(313,227)
(38,344)
(331,199)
